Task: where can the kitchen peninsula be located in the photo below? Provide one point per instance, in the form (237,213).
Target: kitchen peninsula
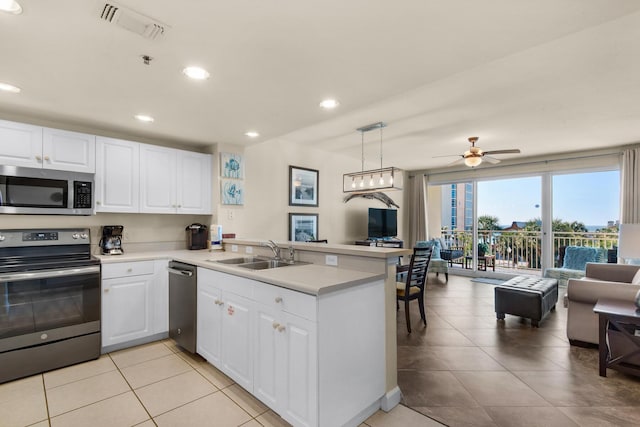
(315,342)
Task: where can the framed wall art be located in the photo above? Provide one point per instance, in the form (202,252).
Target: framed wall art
(231,165)
(303,227)
(232,192)
(303,186)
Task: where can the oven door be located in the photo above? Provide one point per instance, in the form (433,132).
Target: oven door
(45,306)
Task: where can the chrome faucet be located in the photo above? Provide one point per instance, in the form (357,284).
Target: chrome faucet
(272,245)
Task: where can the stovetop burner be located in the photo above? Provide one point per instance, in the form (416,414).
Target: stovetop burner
(44,249)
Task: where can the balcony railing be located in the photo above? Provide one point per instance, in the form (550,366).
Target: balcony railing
(520,249)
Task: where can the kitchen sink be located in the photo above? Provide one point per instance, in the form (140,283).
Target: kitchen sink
(241,260)
(265,264)
(256,263)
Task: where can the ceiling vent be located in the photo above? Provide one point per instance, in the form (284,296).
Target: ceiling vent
(133,21)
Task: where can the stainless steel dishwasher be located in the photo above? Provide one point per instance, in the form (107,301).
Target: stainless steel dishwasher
(182,304)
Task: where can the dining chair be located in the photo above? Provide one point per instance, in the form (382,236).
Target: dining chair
(412,287)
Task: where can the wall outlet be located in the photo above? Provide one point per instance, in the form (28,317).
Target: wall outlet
(331,260)
(230,214)
(248,249)
(234,248)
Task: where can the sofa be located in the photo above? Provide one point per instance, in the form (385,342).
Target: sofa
(601,281)
(574,261)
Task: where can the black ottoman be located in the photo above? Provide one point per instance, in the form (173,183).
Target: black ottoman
(529,297)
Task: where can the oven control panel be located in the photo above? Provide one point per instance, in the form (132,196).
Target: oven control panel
(39,236)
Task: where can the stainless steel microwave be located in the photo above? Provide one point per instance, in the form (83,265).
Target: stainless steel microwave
(45,192)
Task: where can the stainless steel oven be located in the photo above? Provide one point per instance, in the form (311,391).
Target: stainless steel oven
(49,301)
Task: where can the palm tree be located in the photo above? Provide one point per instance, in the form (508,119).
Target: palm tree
(488,222)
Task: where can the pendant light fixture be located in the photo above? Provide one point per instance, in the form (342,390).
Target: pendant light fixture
(376,179)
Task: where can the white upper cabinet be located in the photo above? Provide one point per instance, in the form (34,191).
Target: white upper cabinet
(68,151)
(174,181)
(158,172)
(36,147)
(194,183)
(20,144)
(117,178)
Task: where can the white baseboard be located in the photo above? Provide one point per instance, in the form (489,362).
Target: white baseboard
(391,399)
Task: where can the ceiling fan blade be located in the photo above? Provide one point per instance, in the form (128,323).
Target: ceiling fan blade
(457,162)
(448,155)
(491,160)
(512,151)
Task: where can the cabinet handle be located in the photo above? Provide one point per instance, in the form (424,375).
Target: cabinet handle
(129,270)
(281,328)
(276,325)
(218,302)
(106,291)
(97,202)
(278,299)
(179,206)
(38,158)
(47,158)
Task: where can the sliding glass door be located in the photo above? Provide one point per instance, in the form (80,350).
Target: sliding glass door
(518,225)
(509,224)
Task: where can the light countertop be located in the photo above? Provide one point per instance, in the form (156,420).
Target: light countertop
(313,279)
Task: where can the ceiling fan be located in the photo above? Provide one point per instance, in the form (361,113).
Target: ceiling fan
(475,155)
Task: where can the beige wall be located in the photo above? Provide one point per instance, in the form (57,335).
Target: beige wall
(141,231)
(266,209)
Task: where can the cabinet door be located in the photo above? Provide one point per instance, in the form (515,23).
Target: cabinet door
(209,323)
(20,144)
(268,365)
(299,386)
(237,327)
(126,309)
(68,151)
(194,183)
(158,171)
(117,175)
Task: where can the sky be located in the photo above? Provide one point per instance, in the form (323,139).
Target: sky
(590,198)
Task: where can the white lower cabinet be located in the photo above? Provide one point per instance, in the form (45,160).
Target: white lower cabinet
(225,324)
(304,356)
(134,305)
(285,375)
(126,308)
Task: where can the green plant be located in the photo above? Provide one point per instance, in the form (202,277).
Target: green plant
(483,248)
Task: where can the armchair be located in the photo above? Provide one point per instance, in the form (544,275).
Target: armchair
(437,264)
(574,261)
(601,281)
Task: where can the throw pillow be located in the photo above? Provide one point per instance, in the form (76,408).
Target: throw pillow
(435,249)
(433,244)
(636,278)
(577,257)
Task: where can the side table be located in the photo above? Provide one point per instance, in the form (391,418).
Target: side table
(483,262)
(618,313)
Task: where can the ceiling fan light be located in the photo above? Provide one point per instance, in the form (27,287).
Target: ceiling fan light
(472,161)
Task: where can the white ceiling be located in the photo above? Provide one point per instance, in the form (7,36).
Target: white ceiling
(544,76)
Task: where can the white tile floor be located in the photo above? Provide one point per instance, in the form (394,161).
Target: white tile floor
(151,385)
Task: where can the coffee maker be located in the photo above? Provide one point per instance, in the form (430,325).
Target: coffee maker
(111,242)
(197,236)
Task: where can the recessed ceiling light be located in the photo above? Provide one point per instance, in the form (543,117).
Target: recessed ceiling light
(196,73)
(252,134)
(6,87)
(10,6)
(329,104)
(144,118)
